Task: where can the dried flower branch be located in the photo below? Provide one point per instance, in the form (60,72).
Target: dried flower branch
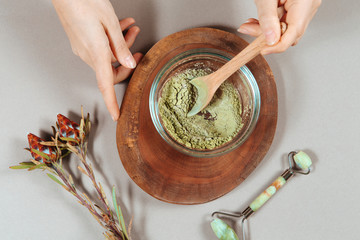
(70,137)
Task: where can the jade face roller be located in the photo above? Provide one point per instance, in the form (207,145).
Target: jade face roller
(302,166)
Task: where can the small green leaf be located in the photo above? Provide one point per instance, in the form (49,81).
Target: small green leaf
(122,222)
(119,213)
(69,139)
(40,153)
(27,163)
(42,165)
(115,203)
(55,179)
(21,167)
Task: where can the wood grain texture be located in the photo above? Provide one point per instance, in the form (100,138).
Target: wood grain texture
(167,174)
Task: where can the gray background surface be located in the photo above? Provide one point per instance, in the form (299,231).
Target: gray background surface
(318,87)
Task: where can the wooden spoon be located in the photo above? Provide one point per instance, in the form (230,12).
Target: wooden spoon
(207,85)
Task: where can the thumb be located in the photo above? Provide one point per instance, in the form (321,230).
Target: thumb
(269,20)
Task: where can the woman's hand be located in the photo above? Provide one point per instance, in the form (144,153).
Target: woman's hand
(296,13)
(95,34)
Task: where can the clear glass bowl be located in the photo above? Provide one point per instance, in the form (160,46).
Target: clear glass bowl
(243,81)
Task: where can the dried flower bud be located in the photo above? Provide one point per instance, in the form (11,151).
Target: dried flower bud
(41,153)
(68,128)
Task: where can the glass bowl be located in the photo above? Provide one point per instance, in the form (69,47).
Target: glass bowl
(243,81)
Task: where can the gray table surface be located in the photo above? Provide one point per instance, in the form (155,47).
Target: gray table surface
(318,91)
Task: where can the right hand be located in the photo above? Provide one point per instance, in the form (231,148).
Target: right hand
(95,34)
(297,14)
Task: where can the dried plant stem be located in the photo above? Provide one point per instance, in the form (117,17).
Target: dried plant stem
(82,156)
(102,218)
(108,217)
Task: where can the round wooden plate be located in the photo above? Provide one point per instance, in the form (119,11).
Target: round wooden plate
(167,174)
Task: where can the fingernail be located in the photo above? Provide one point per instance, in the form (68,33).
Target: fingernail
(130,62)
(113,118)
(243,30)
(270,37)
(251,20)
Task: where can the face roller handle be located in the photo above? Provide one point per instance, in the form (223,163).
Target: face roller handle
(302,161)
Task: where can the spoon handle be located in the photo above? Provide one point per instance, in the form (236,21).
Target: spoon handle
(247,54)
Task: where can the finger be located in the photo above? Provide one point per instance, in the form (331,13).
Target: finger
(125,23)
(131,35)
(252,20)
(104,75)
(285,42)
(252,29)
(268,19)
(130,38)
(119,46)
(121,73)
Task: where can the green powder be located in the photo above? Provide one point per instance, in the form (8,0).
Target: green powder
(216,125)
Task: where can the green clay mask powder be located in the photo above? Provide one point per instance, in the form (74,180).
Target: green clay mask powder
(214,126)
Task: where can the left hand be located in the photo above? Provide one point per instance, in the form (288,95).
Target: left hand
(96,36)
(297,14)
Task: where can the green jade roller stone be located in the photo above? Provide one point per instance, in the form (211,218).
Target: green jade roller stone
(302,160)
(222,230)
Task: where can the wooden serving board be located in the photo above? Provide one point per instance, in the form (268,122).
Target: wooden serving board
(167,174)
